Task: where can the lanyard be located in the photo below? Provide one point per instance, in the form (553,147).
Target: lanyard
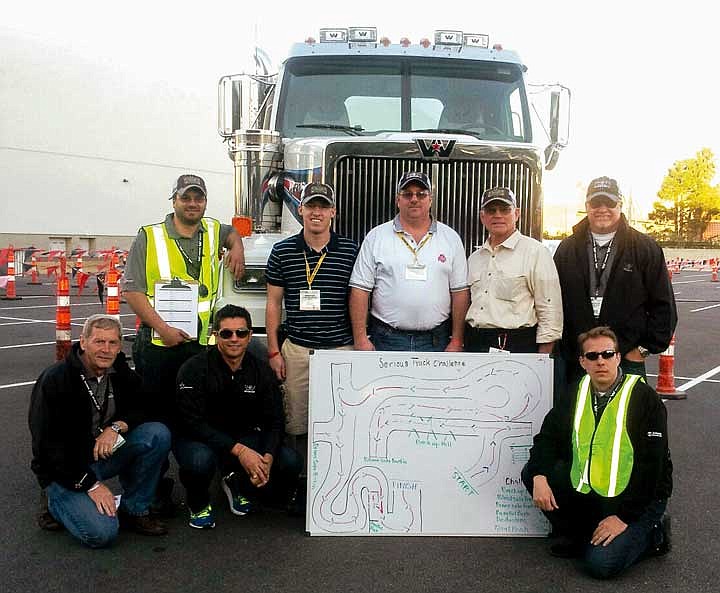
(609,398)
(199,254)
(311,277)
(414,250)
(101,409)
(599,271)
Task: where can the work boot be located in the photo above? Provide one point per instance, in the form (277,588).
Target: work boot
(663,537)
(142,524)
(44,519)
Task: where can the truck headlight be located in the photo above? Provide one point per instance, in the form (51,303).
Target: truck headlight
(253,279)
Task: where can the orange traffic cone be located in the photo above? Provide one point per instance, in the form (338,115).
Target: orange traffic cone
(714,274)
(112,302)
(34,276)
(666,374)
(10,294)
(63,331)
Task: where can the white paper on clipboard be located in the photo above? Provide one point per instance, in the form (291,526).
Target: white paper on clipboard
(177,304)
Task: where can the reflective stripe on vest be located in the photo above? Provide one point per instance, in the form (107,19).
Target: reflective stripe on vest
(602,453)
(164,261)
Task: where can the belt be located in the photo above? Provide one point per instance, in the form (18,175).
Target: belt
(410,332)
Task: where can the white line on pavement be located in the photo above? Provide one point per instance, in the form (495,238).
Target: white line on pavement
(49,343)
(704,308)
(688,282)
(700,379)
(17,385)
(49,306)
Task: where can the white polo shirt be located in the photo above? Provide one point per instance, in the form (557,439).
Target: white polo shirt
(410,304)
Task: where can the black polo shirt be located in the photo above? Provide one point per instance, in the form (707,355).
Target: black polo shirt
(330,326)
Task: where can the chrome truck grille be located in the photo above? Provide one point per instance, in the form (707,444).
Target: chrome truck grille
(365,193)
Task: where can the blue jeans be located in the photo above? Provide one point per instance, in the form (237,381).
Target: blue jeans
(137,463)
(385,337)
(198,463)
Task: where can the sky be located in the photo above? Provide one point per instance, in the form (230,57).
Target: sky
(643,75)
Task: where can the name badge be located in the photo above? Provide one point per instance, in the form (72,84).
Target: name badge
(492,350)
(309,300)
(596,305)
(416,272)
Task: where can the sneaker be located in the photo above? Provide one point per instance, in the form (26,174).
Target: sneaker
(239,505)
(204,519)
(663,538)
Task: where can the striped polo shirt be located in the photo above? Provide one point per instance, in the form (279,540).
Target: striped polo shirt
(330,326)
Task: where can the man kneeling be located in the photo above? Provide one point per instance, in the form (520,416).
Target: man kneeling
(231,418)
(600,467)
(87,426)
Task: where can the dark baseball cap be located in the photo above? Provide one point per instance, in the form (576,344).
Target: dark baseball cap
(604,186)
(317,190)
(185,182)
(414,177)
(498,194)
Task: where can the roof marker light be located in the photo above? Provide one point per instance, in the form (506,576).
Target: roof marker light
(333,35)
(476,40)
(310,41)
(384,41)
(404,41)
(425,42)
(497,47)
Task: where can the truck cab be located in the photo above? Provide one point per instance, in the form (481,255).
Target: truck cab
(356,111)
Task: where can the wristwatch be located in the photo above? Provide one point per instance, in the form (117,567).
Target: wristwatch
(644,352)
(115,427)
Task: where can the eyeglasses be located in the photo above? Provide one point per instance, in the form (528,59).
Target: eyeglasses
(187,199)
(421,195)
(226,333)
(603,202)
(606,354)
(503,209)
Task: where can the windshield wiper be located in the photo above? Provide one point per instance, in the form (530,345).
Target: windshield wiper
(451,131)
(350,130)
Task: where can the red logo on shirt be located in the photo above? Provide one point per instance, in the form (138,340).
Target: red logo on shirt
(441,258)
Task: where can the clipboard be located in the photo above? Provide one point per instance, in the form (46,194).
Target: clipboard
(176,302)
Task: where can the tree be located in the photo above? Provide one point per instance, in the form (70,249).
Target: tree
(687,200)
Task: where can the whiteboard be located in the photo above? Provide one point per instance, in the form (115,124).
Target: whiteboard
(409,443)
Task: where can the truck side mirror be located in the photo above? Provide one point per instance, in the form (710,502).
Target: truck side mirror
(559,131)
(243,101)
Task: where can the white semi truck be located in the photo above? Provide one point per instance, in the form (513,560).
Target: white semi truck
(356,111)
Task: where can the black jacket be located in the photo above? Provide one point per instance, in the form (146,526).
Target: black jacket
(646,422)
(61,417)
(639,305)
(218,407)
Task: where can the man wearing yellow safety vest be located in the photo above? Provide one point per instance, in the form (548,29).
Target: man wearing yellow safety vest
(187,246)
(600,468)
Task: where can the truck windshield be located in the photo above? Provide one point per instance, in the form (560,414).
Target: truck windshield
(364,96)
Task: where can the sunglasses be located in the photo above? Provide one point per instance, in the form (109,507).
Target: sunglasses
(600,202)
(504,209)
(606,354)
(421,195)
(226,333)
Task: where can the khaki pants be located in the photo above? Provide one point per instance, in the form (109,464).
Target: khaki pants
(297,367)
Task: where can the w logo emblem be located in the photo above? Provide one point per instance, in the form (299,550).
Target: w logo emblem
(435,148)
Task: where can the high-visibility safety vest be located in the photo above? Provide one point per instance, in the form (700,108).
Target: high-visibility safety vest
(164,261)
(602,452)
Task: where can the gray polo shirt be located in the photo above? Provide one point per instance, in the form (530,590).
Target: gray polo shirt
(134,278)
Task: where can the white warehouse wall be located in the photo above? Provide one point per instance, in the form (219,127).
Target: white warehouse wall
(73,126)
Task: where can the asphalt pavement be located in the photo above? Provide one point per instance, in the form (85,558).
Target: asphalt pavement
(269,551)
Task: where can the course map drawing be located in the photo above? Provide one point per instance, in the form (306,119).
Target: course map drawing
(423,443)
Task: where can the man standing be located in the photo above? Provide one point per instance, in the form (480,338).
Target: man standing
(231,418)
(186,246)
(613,275)
(600,468)
(87,427)
(515,292)
(416,270)
(310,272)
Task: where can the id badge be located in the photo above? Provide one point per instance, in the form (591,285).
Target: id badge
(596,305)
(309,300)
(492,350)
(416,272)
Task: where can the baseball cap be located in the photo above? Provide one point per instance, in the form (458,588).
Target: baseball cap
(185,182)
(604,186)
(317,190)
(414,177)
(498,194)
